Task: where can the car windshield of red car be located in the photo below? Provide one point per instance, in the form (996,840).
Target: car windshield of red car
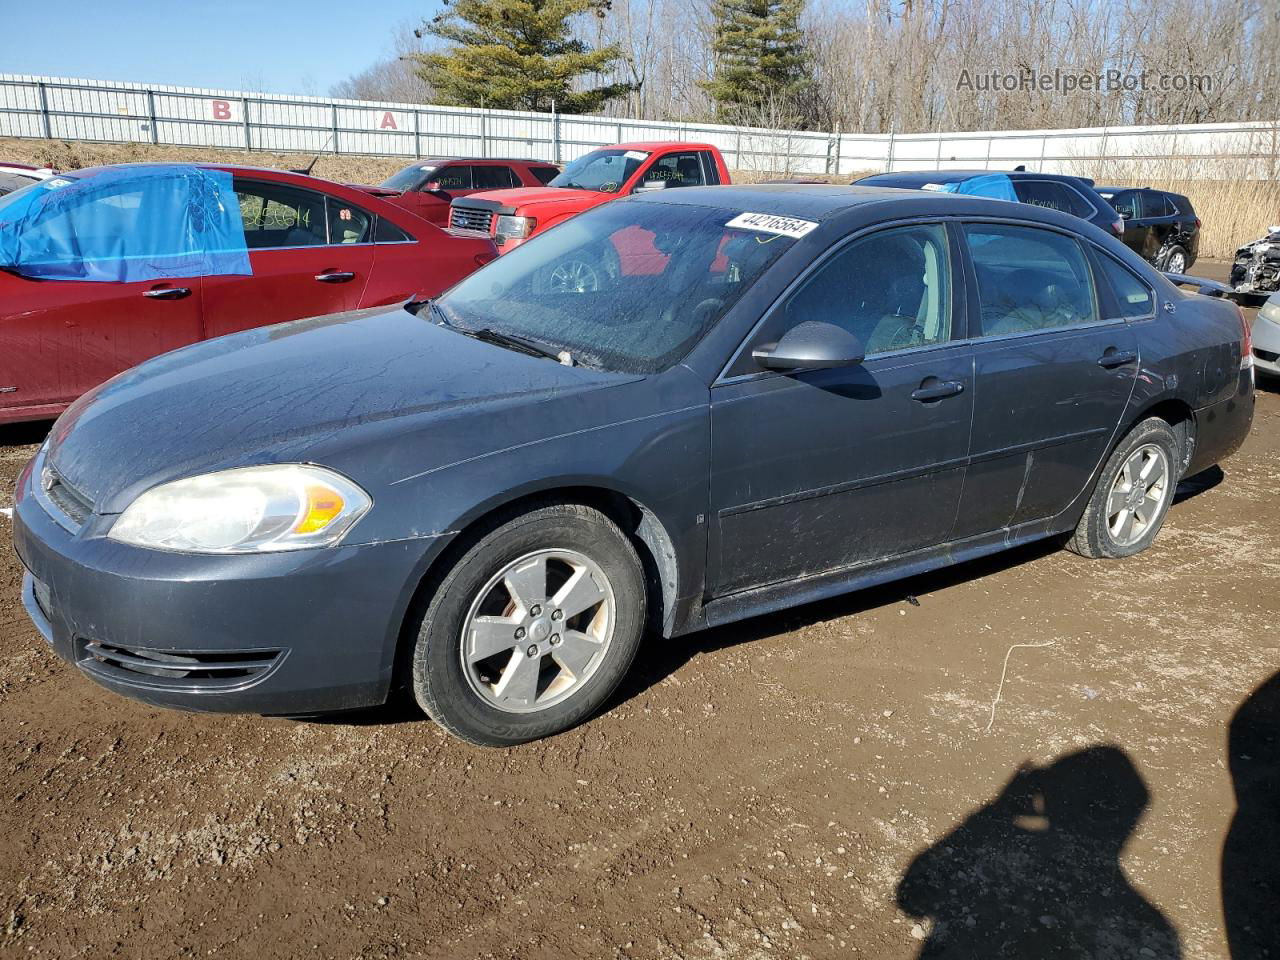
(602,170)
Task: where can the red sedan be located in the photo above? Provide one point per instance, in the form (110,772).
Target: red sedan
(314,248)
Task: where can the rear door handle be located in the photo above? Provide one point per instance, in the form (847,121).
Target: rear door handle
(335,276)
(1117,358)
(168,293)
(937,390)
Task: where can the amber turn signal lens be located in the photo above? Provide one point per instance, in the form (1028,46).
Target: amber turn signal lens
(323,505)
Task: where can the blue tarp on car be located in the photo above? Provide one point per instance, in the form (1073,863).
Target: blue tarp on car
(994,185)
(125,224)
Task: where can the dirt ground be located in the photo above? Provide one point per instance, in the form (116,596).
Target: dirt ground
(1024,756)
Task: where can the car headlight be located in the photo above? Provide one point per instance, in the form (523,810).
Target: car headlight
(247,510)
(1271,311)
(515,228)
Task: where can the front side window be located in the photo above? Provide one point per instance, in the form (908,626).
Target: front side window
(570,289)
(1029,279)
(1134,298)
(278,215)
(602,170)
(452,178)
(891,290)
(677,170)
(1125,203)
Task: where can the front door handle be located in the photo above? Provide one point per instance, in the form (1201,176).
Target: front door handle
(1117,358)
(931,390)
(168,293)
(335,276)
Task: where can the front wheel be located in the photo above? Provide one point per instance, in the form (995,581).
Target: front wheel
(532,628)
(1132,495)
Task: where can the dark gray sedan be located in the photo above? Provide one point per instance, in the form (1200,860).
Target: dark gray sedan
(671,412)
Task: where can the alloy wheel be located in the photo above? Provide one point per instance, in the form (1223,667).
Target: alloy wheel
(1138,494)
(538,630)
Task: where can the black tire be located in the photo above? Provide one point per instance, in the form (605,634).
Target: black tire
(441,686)
(1166,262)
(1093,537)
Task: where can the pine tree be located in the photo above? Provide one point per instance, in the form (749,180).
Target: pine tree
(517,55)
(760,56)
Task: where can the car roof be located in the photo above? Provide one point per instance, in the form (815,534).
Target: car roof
(815,201)
(652,145)
(1118,189)
(918,177)
(429,161)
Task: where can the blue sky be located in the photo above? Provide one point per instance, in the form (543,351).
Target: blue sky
(282,46)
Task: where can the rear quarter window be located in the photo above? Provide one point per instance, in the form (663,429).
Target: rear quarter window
(1134,299)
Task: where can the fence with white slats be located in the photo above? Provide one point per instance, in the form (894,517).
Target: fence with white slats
(73,109)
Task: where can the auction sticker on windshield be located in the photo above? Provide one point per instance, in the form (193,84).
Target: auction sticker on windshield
(768,223)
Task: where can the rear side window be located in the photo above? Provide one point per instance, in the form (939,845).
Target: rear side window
(544,175)
(492,178)
(1030,279)
(1055,196)
(388,232)
(891,290)
(1156,204)
(1182,205)
(13,181)
(1133,297)
(278,215)
(348,223)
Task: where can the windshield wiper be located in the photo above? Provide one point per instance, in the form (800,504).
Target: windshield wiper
(522,344)
(509,340)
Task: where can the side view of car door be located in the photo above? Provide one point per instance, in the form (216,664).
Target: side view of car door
(1054,370)
(311,255)
(824,469)
(59,338)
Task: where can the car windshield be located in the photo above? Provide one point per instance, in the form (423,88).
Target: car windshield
(408,179)
(603,170)
(628,286)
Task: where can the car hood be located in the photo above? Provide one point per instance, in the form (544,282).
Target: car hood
(521,198)
(302,392)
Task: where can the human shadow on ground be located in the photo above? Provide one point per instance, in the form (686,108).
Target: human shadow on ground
(1036,872)
(1251,854)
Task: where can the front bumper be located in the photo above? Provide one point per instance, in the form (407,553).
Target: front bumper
(311,631)
(1266,346)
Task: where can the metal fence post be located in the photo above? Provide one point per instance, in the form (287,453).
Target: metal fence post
(44,111)
(484,133)
(555,133)
(151,114)
(417,136)
(333,124)
(888,163)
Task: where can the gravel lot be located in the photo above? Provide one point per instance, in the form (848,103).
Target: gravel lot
(835,781)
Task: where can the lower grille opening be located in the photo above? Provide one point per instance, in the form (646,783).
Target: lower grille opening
(229,667)
(1266,355)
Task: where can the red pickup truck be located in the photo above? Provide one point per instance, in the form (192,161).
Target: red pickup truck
(510,217)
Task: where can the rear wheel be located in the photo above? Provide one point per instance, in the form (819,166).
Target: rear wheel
(1175,260)
(532,629)
(1132,495)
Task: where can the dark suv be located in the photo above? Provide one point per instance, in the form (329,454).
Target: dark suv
(1160,227)
(1073,195)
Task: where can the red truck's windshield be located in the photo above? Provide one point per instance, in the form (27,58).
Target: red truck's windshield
(602,170)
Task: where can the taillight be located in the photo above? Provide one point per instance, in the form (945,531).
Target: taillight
(1197,223)
(1246,341)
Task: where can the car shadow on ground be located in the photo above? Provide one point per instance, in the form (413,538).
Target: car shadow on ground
(1036,871)
(22,434)
(1251,853)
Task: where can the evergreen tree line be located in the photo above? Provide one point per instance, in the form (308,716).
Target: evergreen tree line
(864,65)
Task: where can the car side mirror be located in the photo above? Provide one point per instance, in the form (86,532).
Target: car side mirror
(811,345)
(650,185)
